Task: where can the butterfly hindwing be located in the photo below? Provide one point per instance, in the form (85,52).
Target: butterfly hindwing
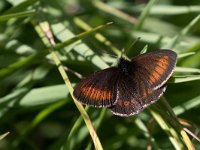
(98,89)
(128,102)
(147,95)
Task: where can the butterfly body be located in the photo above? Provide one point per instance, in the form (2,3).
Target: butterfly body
(131,86)
(124,66)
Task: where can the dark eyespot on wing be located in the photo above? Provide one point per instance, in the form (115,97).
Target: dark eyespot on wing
(98,89)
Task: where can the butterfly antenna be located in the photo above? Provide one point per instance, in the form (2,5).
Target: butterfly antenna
(131,45)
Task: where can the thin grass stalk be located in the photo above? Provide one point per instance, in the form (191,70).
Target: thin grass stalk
(49,42)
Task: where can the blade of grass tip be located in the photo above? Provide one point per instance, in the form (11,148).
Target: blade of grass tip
(183,32)
(186,124)
(80,36)
(144,50)
(144,14)
(192,134)
(98,36)
(42,29)
(115,12)
(186,54)
(4,135)
(17,15)
(187,140)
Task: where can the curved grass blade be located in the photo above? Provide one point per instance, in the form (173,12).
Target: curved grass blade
(184,31)
(172,134)
(187,70)
(79,22)
(44,29)
(192,103)
(26,62)
(115,12)
(17,15)
(184,78)
(174,10)
(144,14)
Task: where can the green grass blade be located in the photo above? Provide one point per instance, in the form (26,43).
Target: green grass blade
(17,15)
(185,30)
(21,64)
(185,78)
(3,135)
(113,11)
(174,10)
(45,28)
(79,22)
(187,70)
(144,14)
(80,36)
(26,62)
(172,135)
(190,104)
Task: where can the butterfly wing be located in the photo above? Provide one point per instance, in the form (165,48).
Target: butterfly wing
(146,82)
(98,89)
(154,68)
(130,101)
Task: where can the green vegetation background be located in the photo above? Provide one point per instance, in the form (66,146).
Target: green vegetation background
(36,109)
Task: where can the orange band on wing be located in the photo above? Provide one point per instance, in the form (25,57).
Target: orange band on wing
(96,94)
(161,65)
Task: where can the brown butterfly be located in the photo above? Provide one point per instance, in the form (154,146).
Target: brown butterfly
(130,86)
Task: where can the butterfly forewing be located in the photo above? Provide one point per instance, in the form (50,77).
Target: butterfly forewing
(98,89)
(154,68)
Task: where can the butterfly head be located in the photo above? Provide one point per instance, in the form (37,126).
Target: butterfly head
(124,66)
